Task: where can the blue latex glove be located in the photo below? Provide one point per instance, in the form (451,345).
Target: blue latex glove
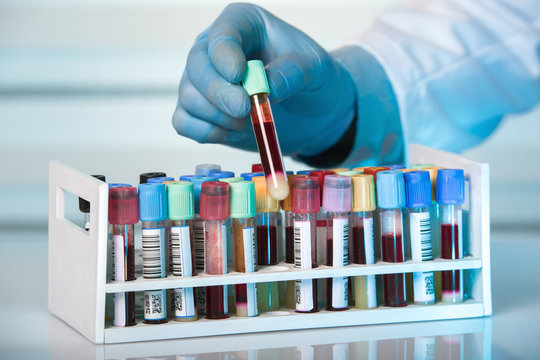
(312,95)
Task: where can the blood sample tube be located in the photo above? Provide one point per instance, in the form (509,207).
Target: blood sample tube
(267,238)
(418,197)
(204,169)
(391,199)
(257,168)
(221,174)
(363,243)
(84,206)
(256,85)
(215,212)
(450,197)
(243,212)
(181,212)
(123,215)
(337,205)
(198,236)
(153,213)
(305,205)
(159,179)
(250,176)
(143,178)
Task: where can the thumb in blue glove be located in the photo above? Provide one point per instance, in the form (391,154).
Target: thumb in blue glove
(312,94)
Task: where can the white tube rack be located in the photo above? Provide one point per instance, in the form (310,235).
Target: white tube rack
(78,284)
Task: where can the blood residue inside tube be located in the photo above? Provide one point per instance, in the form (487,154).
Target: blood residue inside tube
(449,242)
(394,284)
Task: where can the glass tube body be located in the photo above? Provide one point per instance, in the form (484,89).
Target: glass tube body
(363,248)
(288,218)
(267,293)
(420,230)
(393,251)
(182,262)
(243,240)
(198,251)
(305,257)
(337,255)
(86,220)
(123,238)
(154,265)
(451,248)
(268,144)
(215,258)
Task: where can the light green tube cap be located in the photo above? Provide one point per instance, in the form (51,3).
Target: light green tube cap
(243,199)
(232,179)
(420,166)
(255,81)
(180,200)
(349,173)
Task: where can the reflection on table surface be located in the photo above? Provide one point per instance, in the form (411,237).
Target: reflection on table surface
(452,340)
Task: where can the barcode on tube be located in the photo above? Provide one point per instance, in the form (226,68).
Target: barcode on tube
(302,244)
(297,247)
(420,230)
(198,237)
(152,253)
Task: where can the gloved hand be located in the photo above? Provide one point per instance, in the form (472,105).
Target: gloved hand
(312,94)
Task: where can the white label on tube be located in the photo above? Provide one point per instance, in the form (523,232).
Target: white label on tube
(153,241)
(184,303)
(305,352)
(119,275)
(340,351)
(181,251)
(369,243)
(304,295)
(302,244)
(420,230)
(371,291)
(155,305)
(248,237)
(251,291)
(424,348)
(340,296)
(340,246)
(424,287)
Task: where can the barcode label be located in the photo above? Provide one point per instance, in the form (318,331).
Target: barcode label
(198,239)
(248,235)
(369,242)
(119,275)
(155,305)
(251,292)
(340,246)
(424,287)
(200,292)
(420,230)
(304,295)
(184,303)
(302,244)
(153,246)
(181,251)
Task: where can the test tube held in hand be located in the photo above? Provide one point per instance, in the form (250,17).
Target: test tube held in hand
(123,215)
(305,206)
(214,213)
(256,85)
(450,197)
(243,212)
(391,199)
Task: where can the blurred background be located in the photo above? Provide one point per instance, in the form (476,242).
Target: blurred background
(93,83)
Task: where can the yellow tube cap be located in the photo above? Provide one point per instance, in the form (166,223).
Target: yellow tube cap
(433,178)
(265,203)
(339,170)
(363,196)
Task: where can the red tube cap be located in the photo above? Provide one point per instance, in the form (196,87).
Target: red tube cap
(123,206)
(256,168)
(373,170)
(306,196)
(215,200)
(320,174)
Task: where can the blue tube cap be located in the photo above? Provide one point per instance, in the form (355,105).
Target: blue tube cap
(221,174)
(417,189)
(152,202)
(396,166)
(197,181)
(250,176)
(304,172)
(390,189)
(450,186)
(159,180)
(116,185)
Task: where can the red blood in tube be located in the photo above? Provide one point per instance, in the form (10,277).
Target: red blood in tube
(394,284)
(449,240)
(266,245)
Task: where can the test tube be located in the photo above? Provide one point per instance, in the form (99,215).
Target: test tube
(256,85)
(159,179)
(204,169)
(391,199)
(374,170)
(450,197)
(243,212)
(153,215)
(267,247)
(143,178)
(305,205)
(181,212)
(215,212)
(363,243)
(418,198)
(123,215)
(251,175)
(221,174)
(337,205)
(257,168)
(84,206)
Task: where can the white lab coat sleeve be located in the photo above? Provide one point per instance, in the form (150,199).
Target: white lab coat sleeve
(456,69)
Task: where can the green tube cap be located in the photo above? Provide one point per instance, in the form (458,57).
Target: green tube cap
(232,179)
(180,200)
(243,199)
(255,81)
